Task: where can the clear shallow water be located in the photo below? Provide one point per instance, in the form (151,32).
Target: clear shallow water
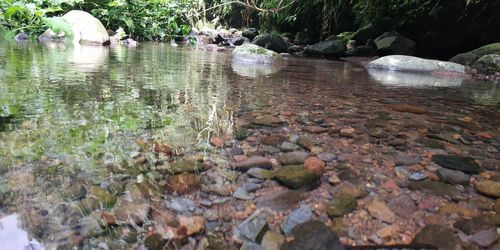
(68,114)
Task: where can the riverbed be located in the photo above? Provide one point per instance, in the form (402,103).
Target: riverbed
(119,148)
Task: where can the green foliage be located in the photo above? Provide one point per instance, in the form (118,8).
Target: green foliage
(57,24)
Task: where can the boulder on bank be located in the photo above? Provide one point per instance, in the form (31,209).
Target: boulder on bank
(251,53)
(414,64)
(393,43)
(471,57)
(86,28)
(272,42)
(304,37)
(250,33)
(329,48)
(488,64)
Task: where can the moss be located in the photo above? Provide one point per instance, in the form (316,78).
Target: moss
(471,57)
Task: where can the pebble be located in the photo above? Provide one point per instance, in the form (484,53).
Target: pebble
(242,194)
(327,157)
(296,217)
(347,132)
(180,204)
(379,210)
(418,176)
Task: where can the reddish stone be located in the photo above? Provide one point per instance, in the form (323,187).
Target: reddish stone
(239,158)
(108,218)
(217,141)
(314,164)
(390,186)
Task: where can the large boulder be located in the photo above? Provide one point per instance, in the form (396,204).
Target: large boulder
(471,57)
(250,33)
(414,64)
(273,42)
(86,28)
(364,33)
(393,43)
(488,64)
(332,48)
(251,53)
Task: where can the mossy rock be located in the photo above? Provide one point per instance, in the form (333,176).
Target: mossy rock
(251,53)
(274,42)
(341,205)
(488,64)
(296,177)
(471,57)
(103,197)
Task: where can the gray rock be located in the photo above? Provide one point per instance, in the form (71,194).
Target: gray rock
(23,36)
(298,216)
(238,41)
(327,157)
(418,176)
(402,206)
(437,236)
(453,176)
(242,194)
(393,43)
(180,205)
(272,42)
(250,187)
(288,146)
(248,245)
(485,238)
(333,48)
(86,28)
(313,235)
(293,158)
(304,37)
(364,33)
(414,64)
(254,227)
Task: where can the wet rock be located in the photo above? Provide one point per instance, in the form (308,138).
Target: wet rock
(296,176)
(183,183)
(313,235)
(281,200)
(180,205)
(315,164)
(482,202)
(261,173)
(412,64)
(403,107)
(181,165)
(136,210)
(293,158)
(86,28)
(347,132)
(465,164)
(490,188)
(485,238)
(272,42)
(21,37)
(238,41)
(296,217)
(437,236)
(154,241)
(193,225)
(306,142)
(249,245)
(497,206)
(253,162)
(240,134)
(403,206)
(333,48)
(267,120)
(437,188)
(289,147)
(488,64)
(379,210)
(242,194)
(327,157)
(453,176)
(476,224)
(104,198)
(315,129)
(418,176)
(75,191)
(272,240)
(217,141)
(273,140)
(254,227)
(340,205)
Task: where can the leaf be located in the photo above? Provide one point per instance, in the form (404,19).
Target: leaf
(12,10)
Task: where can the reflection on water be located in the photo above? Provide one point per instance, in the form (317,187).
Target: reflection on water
(83,130)
(15,237)
(254,69)
(404,79)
